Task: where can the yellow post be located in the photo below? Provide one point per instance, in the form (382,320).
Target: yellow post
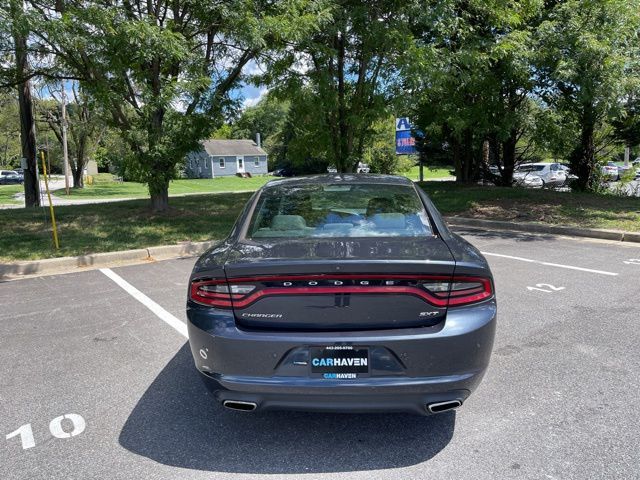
(53,217)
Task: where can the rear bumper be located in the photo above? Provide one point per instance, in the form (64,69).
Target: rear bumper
(410,368)
(367,397)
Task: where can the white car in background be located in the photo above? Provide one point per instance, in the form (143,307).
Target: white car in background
(527,180)
(610,171)
(569,176)
(363,168)
(548,175)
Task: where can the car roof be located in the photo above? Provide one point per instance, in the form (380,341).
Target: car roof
(347,178)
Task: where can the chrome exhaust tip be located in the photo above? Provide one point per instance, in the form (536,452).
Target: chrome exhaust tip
(240,406)
(443,406)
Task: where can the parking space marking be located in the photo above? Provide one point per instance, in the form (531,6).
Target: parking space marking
(160,312)
(542,287)
(25,432)
(549,264)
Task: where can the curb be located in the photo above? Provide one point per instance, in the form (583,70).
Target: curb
(549,229)
(98,260)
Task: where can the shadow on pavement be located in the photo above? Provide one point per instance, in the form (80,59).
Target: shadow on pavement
(177,423)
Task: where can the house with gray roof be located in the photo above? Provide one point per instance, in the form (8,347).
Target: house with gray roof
(224,158)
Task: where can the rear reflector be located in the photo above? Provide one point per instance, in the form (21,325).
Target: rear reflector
(440,291)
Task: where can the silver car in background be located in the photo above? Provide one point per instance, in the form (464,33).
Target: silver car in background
(539,175)
(610,172)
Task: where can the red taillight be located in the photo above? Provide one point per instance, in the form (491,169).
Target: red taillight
(440,291)
(467,290)
(217,293)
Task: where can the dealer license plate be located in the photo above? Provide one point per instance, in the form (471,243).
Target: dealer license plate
(339,362)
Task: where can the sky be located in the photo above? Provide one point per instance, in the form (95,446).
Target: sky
(251,94)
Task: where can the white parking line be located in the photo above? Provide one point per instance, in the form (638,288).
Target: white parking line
(165,316)
(570,267)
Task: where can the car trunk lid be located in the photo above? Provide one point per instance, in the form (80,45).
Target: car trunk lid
(340,284)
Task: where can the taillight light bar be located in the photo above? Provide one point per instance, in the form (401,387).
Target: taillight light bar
(467,290)
(440,291)
(214,293)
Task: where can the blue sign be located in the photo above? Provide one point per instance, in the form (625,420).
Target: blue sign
(405,142)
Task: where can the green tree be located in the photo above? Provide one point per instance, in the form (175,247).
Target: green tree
(587,49)
(84,129)
(472,78)
(627,123)
(10,148)
(347,70)
(164,69)
(302,143)
(15,29)
(267,118)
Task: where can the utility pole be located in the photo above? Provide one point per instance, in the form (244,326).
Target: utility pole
(65,151)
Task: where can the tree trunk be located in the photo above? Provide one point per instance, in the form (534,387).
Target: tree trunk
(159,196)
(81,161)
(344,162)
(457,158)
(78,177)
(582,159)
(467,156)
(509,158)
(27,124)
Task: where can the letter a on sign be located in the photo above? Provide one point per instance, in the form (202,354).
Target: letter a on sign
(402,124)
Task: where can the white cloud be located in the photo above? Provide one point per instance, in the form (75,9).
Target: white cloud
(302,64)
(254,68)
(252,101)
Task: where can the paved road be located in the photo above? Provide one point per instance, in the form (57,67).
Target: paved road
(559,399)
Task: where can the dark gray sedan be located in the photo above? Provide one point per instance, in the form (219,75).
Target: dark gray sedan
(9,177)
(341,293)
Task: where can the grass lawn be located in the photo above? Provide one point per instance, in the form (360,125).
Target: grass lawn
(26,234)
(105,227)
(532,205)
(429,173)
(105,187)
(8,191)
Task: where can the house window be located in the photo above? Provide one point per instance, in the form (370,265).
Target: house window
(222,163)
(240,164)
(257,162)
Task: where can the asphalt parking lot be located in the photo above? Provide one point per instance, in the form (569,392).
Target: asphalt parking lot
(98,382)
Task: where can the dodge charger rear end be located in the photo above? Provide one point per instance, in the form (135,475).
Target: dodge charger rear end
(341,293)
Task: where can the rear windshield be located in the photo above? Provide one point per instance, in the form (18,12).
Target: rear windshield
(365,210)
